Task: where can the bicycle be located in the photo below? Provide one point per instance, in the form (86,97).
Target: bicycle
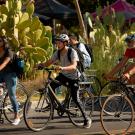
(107,88)
(6,108)
(118,108)
(39,108)
(92,86)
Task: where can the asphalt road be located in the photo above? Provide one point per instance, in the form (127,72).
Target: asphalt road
(58,126)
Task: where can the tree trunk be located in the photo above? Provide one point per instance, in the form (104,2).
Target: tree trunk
(81,22)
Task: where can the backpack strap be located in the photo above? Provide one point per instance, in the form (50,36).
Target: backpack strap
(68,54)
(59,54)
(78,45)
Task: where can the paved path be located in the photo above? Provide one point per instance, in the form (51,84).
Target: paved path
(58,126)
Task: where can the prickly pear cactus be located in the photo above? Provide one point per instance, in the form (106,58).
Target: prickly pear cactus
(25,31)
(108,44)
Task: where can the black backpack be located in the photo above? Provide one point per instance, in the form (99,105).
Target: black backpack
(18,65)
(80,64)
(89,50)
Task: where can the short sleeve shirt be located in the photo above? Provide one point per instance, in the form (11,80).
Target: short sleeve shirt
(8,53)
(74,74)
(130,53)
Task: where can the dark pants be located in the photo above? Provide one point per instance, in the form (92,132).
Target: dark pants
(73,85)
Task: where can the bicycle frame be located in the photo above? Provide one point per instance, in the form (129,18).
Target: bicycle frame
(54,97)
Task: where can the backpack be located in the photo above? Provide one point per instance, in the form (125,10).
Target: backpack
(89,50)
(80,63)
(18,65)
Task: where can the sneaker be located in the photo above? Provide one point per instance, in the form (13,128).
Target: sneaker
(87,124)
(16,121)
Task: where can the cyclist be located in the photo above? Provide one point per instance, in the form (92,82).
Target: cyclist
(8,75)
(77,45)
(69,74)
(129,73)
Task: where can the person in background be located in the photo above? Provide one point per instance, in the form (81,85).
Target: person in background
(75,43)
(87,59)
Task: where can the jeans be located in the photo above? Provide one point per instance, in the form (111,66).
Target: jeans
(73,85)
(10,80)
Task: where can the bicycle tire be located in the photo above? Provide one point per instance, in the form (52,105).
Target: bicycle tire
(86,99)
(95,87)
(21,96)
(119,109)
(38,110)
(111,87)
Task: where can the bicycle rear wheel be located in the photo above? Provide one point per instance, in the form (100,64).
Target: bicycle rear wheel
(21,96)
(38,110)
(117,114)
(75,114)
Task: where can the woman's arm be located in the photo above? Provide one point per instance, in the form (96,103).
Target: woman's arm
(5,62)
(116,69)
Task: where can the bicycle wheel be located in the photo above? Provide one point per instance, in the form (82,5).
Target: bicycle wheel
(95,87)
(108,89)
(38,110)
(87,103)
(117,114)
(21,96)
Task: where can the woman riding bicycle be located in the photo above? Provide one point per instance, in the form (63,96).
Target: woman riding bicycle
(129,73)
(69,74)
(8,76)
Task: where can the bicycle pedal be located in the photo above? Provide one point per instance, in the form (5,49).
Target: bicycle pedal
(2,120)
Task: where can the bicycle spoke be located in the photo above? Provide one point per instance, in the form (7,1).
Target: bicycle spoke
(37,111)
(119,110)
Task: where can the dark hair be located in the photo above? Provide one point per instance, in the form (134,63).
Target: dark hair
(5,41)
(74,36)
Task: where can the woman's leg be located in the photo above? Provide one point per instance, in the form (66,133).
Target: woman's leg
(11,82)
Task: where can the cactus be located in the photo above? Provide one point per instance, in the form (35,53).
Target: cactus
(25,31)
(108,45)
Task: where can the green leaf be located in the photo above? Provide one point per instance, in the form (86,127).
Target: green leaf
(30,9)
(43,43)
(36,24)
(3,9)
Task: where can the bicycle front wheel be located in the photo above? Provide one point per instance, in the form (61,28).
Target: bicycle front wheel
(112,87)
(21,96)
(75,115)
(117,114)
(38,110)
